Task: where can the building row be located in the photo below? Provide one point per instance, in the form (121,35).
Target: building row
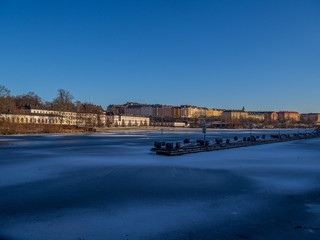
(41,116)
(187,111)
(273,116)
(140,116)
(165,111)
(311,117)
(261,116)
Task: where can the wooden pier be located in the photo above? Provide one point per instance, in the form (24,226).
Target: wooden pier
(168,149)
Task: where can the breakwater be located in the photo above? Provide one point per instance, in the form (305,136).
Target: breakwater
(178,148)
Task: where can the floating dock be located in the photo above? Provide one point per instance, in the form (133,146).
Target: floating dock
(169,149)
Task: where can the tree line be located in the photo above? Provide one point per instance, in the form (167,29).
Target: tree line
(64,101)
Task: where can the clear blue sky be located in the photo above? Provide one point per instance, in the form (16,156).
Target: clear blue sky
(264,55)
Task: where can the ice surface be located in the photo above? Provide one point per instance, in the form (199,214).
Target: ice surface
(110,186)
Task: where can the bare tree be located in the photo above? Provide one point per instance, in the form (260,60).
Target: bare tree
(4,92)
(30,99)
(6,101)
(63,102)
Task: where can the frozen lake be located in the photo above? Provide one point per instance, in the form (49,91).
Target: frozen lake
(110,186)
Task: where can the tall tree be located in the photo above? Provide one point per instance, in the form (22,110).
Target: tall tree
(4,92)
(6,101)
(30,99)
(63,102)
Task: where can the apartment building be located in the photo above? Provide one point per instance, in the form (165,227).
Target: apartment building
(310,117)
(271,116)
(147,111)
(234,114)
(189,112)
(286,115)
(116,109)
(256,115)
(132,110)
(214,112)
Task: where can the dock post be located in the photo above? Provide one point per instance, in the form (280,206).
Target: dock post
(204,131)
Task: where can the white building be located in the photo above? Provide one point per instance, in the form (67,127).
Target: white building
(40,116)
(34,119)
(121,120)
(178,124)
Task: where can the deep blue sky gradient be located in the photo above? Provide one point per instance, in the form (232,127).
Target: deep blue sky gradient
(264,55)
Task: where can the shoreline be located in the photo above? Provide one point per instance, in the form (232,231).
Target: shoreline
(132,129)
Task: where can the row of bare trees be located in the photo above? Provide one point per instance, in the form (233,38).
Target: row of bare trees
(63,102)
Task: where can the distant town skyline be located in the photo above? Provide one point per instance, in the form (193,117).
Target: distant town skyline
(263,55)
(31,100)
